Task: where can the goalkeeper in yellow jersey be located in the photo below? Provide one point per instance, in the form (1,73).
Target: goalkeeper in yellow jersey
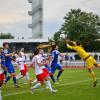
(90,61)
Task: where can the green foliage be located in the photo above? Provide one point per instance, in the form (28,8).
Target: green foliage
(6,36)
(83,26)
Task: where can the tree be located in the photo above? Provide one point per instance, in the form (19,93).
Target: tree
(6,36)
(83,26)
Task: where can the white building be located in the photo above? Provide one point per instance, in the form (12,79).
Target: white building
(37,18)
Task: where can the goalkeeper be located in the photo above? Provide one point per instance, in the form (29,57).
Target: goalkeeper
(90,61)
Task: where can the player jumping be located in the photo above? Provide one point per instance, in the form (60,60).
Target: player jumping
(54,64)
(90,61)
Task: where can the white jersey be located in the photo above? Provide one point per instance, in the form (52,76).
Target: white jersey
(23,56)
(36,59)
(20,62)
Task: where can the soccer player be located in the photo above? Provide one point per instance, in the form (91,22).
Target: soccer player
(45,66)
(90,61)
(54,64)
(41,76)
(26,77)
(20,62)
(9,65)
(2,67)
(3,62)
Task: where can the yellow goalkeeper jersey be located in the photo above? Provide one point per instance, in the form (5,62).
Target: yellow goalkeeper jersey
(80,50)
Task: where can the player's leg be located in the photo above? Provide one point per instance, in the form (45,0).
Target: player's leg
(27,76)
(41,81)
(1,83)
(59,67)
(97,65)
(93,75)
(47,81)
(52,77)
(90,63)
(5,69)
(53,69)
(19,76)
(5,73)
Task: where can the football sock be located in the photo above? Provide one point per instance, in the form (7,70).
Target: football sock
(14,80)
(19,76)
(27,76)
(35,81)
(36,86)
(7,79)
(93,75)
(5,73)
(48,84)
(59,73)
(52,78)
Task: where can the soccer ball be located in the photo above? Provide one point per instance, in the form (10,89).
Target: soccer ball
(63,36)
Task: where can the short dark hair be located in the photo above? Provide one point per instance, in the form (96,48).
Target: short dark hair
(78,43)
(53,47)
(5,43)
(36,51)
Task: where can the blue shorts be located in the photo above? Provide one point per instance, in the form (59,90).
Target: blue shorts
(10,68)
(48,68)
(55,66)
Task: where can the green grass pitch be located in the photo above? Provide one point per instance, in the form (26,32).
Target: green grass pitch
(74,84)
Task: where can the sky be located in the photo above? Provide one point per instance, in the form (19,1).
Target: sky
(14,16)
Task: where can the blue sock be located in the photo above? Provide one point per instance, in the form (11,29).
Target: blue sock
(59,73)
(5,73)
(14,80)
(7,79)
(52,78)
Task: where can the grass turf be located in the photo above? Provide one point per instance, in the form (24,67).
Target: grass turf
(74,84)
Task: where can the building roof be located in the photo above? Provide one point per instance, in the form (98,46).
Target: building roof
(22,41)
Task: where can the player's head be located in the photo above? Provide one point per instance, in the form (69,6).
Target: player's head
(19,53)
(71,43)
(6,45)
(78,43)
(41,51)
(22,49)
(36,51)
(55,47)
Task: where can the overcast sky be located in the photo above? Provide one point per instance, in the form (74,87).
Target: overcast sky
(14,17)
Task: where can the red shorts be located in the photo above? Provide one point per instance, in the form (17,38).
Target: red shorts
(1,77)
(23,72)
(45,70)
(25,67)
(41,77)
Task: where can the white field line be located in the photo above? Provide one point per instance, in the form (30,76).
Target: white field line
(22,92)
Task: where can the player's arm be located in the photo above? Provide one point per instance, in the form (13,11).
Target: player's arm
(4,67)
(8,55)
(69,46)
(32,63)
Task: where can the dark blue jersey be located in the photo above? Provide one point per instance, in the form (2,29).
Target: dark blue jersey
(7,59)
(55,54)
